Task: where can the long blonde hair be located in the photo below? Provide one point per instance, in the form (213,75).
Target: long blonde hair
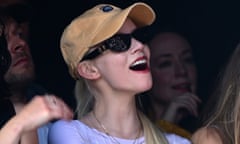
(85,102)
(226,113)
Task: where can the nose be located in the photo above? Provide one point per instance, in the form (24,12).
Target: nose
(180,69)
(136,46)
(18,45)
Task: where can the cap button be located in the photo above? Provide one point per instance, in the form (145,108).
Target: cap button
(106,8)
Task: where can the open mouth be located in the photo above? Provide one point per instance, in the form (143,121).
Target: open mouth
(139,65)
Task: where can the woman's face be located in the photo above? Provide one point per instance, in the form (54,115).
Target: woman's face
(172,66)
(126,71)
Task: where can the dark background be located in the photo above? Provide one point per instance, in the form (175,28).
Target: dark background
(212,27)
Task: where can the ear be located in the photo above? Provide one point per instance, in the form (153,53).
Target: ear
(88,70)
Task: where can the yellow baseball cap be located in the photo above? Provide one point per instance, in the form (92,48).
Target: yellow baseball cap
(96,25)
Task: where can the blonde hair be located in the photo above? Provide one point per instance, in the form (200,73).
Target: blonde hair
(85,102)
(226,113)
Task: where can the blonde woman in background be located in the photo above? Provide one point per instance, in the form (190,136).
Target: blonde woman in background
(111,67)
(223,124)
(172,102)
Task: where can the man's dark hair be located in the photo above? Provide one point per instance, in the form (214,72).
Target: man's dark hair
(20,12)
(5,60)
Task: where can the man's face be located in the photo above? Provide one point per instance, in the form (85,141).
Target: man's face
(21,70)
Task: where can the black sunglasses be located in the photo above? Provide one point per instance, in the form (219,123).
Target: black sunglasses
(118,43)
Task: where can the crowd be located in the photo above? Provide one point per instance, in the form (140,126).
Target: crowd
(127,89)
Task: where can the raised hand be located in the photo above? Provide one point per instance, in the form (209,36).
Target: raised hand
(180,106)
(40,110)
(43,109)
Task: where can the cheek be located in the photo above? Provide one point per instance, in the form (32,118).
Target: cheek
(9,43)
(111,65)
(147,52)
(161,77)
(192,73)
(28,51)
(193,77)
(161,86)
(161,82)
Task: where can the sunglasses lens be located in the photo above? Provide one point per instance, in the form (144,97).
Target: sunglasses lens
(142,34)
(119,42)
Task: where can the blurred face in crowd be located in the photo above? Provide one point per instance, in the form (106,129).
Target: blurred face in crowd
(21,69)
(172,66)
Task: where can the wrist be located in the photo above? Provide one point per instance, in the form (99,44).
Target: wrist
(16,125)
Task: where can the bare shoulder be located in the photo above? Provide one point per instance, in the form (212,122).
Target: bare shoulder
(206,135)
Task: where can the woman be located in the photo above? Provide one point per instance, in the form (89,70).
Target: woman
(173,103)
(111,66)
(223,123)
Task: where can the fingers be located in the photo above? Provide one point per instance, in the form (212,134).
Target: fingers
(51,99)
(41,110)
(192,104)
(187,101)
(58,109)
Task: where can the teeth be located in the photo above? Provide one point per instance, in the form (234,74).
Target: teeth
(143,61)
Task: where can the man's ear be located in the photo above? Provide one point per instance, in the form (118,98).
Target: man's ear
(88,70)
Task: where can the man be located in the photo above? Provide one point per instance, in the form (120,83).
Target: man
(6,108)
(21,73)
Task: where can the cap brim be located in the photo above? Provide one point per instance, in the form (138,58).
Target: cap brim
(140,13)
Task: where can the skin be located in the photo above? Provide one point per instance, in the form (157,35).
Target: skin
(174,78)
(121,64)
(30,116)
(115,85)
(39,111)
(206,135)
(21,69)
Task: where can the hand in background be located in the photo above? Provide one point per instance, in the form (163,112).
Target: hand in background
(181,106)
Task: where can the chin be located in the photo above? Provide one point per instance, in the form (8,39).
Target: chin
(146,86)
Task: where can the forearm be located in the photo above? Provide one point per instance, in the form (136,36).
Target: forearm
(11,132)
(30,137)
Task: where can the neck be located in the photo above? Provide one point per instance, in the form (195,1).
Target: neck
(117,111)
(18,94)
(120,119)
(127,131)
